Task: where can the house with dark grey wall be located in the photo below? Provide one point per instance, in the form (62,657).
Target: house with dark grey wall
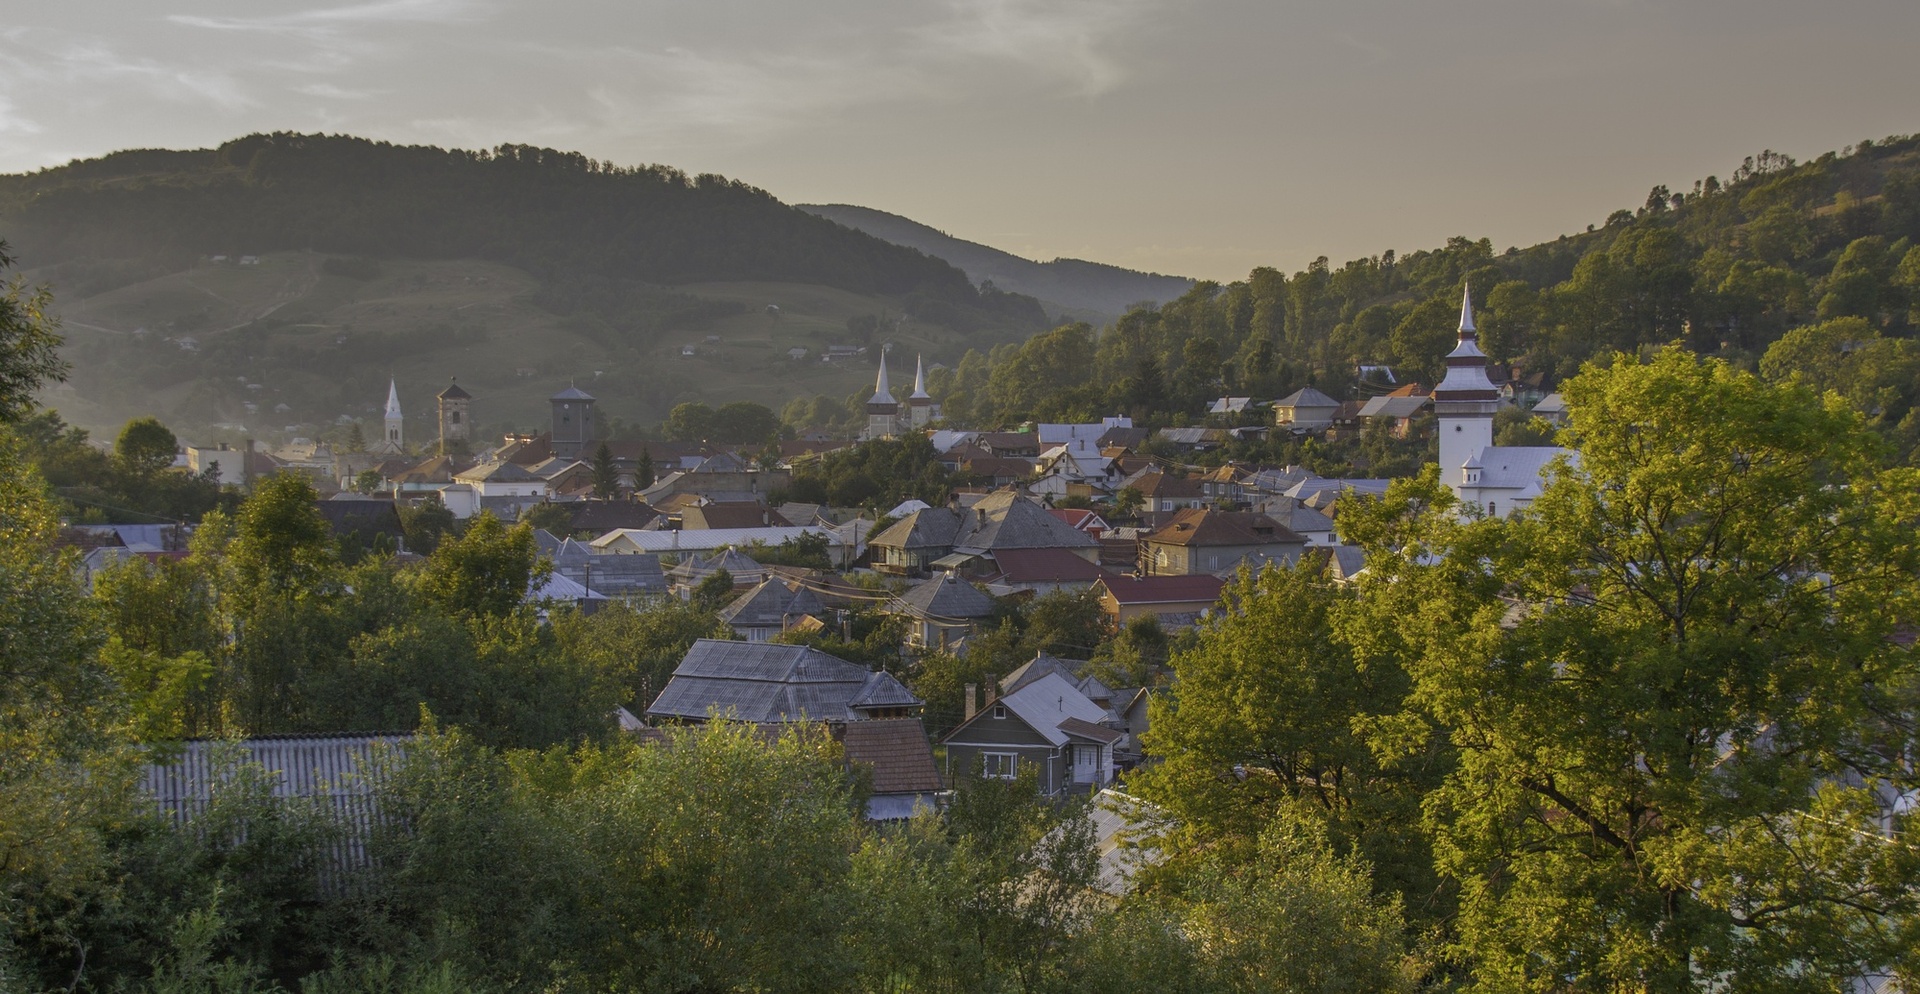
(1047,726)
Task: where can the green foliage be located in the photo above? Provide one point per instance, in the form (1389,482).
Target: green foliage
(877,475)
(606,475)
(1272,710)
(714,591)
(635,647)
(1692,713)
(29,344)
(485,572)
(144,447)
(554,519)
(424,524)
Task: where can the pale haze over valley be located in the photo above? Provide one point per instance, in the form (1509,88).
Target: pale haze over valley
(1198,138)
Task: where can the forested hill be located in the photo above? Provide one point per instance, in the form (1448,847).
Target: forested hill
(1728,266)
(1066,283)
(581,226)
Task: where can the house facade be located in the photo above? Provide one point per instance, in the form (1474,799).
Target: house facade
(1217,542)
(1048,727)
(1173,600)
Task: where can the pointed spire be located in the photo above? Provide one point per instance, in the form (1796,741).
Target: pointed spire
(1466,311)
(920,380)
(881,393)
(393,399)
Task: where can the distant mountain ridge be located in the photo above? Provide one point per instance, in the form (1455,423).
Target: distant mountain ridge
(1067,283)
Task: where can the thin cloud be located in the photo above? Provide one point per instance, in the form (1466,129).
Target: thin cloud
(307,22)
(1069,41)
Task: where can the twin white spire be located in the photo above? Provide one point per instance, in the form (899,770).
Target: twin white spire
(919,380)
(881,393)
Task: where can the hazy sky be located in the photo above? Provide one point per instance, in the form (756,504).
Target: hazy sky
(1185,136)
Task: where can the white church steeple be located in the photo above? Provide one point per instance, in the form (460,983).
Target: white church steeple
(1465,401)
(395,439)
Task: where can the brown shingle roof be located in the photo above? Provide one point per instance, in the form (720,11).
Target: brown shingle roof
(1202,527)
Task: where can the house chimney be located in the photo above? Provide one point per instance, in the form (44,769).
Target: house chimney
(993,688)
(980,515)
(973,703)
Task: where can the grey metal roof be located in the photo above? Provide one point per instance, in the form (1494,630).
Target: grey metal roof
(946,596)
(1044,704)
(770,605)
(695,567)
(615,576)
(1306,397)
(882,690)
(761,682)
(1005,520)
(1033,669)
(572,393)
(1303,520)
(1394,407)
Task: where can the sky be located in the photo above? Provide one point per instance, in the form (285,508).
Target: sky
(1195,137)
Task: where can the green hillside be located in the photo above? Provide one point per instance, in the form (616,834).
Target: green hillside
(515,270)
(1728,267)
(1091,290)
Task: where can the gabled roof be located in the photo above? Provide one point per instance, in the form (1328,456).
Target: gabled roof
(1039,666)
(896,750)
(497,472)
(1344,562)
(1045,705)
(1005,520)
(1079,518)
(1306,397)
(1394,407)
(1045,565)
(946,596)
(882,690)
(601,516)
(1080,728)
(1193,436)
(1160,485)
(761,682)
(932,528)
(695,568)
(709,514)
(572,393)
(1516,467)
(1306,519)
(1137,590)
(1203,527)
(771,604)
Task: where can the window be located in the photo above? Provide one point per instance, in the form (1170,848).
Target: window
(999,712)
(1003,765)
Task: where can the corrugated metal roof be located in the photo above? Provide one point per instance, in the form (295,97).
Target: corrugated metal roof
(339,773)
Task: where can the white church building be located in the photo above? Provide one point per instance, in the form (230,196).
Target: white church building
(1499,479)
